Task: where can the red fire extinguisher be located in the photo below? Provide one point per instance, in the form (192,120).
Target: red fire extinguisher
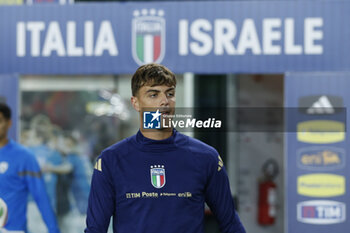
(268,194)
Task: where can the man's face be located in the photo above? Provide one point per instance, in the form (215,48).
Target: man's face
(4,126)
(159,97)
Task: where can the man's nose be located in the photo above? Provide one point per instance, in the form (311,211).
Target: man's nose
(164,100)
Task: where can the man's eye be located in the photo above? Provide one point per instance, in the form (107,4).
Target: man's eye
(171,94)
(153,95)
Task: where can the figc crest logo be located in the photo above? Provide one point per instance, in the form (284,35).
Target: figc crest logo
(148,36)
(158,176)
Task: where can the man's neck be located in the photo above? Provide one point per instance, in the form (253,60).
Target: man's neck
(157,134)
(3,141)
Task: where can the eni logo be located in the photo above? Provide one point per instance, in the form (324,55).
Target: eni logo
(321,131)
(321,185)
(321,158)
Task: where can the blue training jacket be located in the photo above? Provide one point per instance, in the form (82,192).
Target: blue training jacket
(19,175)
(160,186)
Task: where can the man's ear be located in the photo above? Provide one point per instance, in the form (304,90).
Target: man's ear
(135,103)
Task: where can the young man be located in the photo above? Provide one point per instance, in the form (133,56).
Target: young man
(159,180)
(19,175)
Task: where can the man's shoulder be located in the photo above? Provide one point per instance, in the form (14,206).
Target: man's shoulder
(204,153)
(117,149)
(21,156)
(196,146)
(20,150)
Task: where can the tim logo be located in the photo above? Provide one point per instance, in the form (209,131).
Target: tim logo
(148,36)
(321,212)
(151,120)
(321,158)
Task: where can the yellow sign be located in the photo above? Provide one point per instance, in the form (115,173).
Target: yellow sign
(321,185)
(11,2)
(321,131)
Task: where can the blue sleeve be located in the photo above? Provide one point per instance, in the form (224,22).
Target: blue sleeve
(80,185)
(36,187)
(101,204)
(219,199)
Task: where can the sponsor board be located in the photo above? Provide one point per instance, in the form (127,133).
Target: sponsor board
(321,185)
(321,158)
(141,33)
(321,131)
(321,212)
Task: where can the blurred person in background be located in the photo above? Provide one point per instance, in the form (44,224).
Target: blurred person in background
(43,143)
(159,180)
(73,188)
(20,175)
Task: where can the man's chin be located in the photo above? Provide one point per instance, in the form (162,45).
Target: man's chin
(165,129)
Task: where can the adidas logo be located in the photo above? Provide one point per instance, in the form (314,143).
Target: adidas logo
(321,106)
(98,165)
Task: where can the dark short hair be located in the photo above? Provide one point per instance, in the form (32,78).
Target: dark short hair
(152,75)
(5,110)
